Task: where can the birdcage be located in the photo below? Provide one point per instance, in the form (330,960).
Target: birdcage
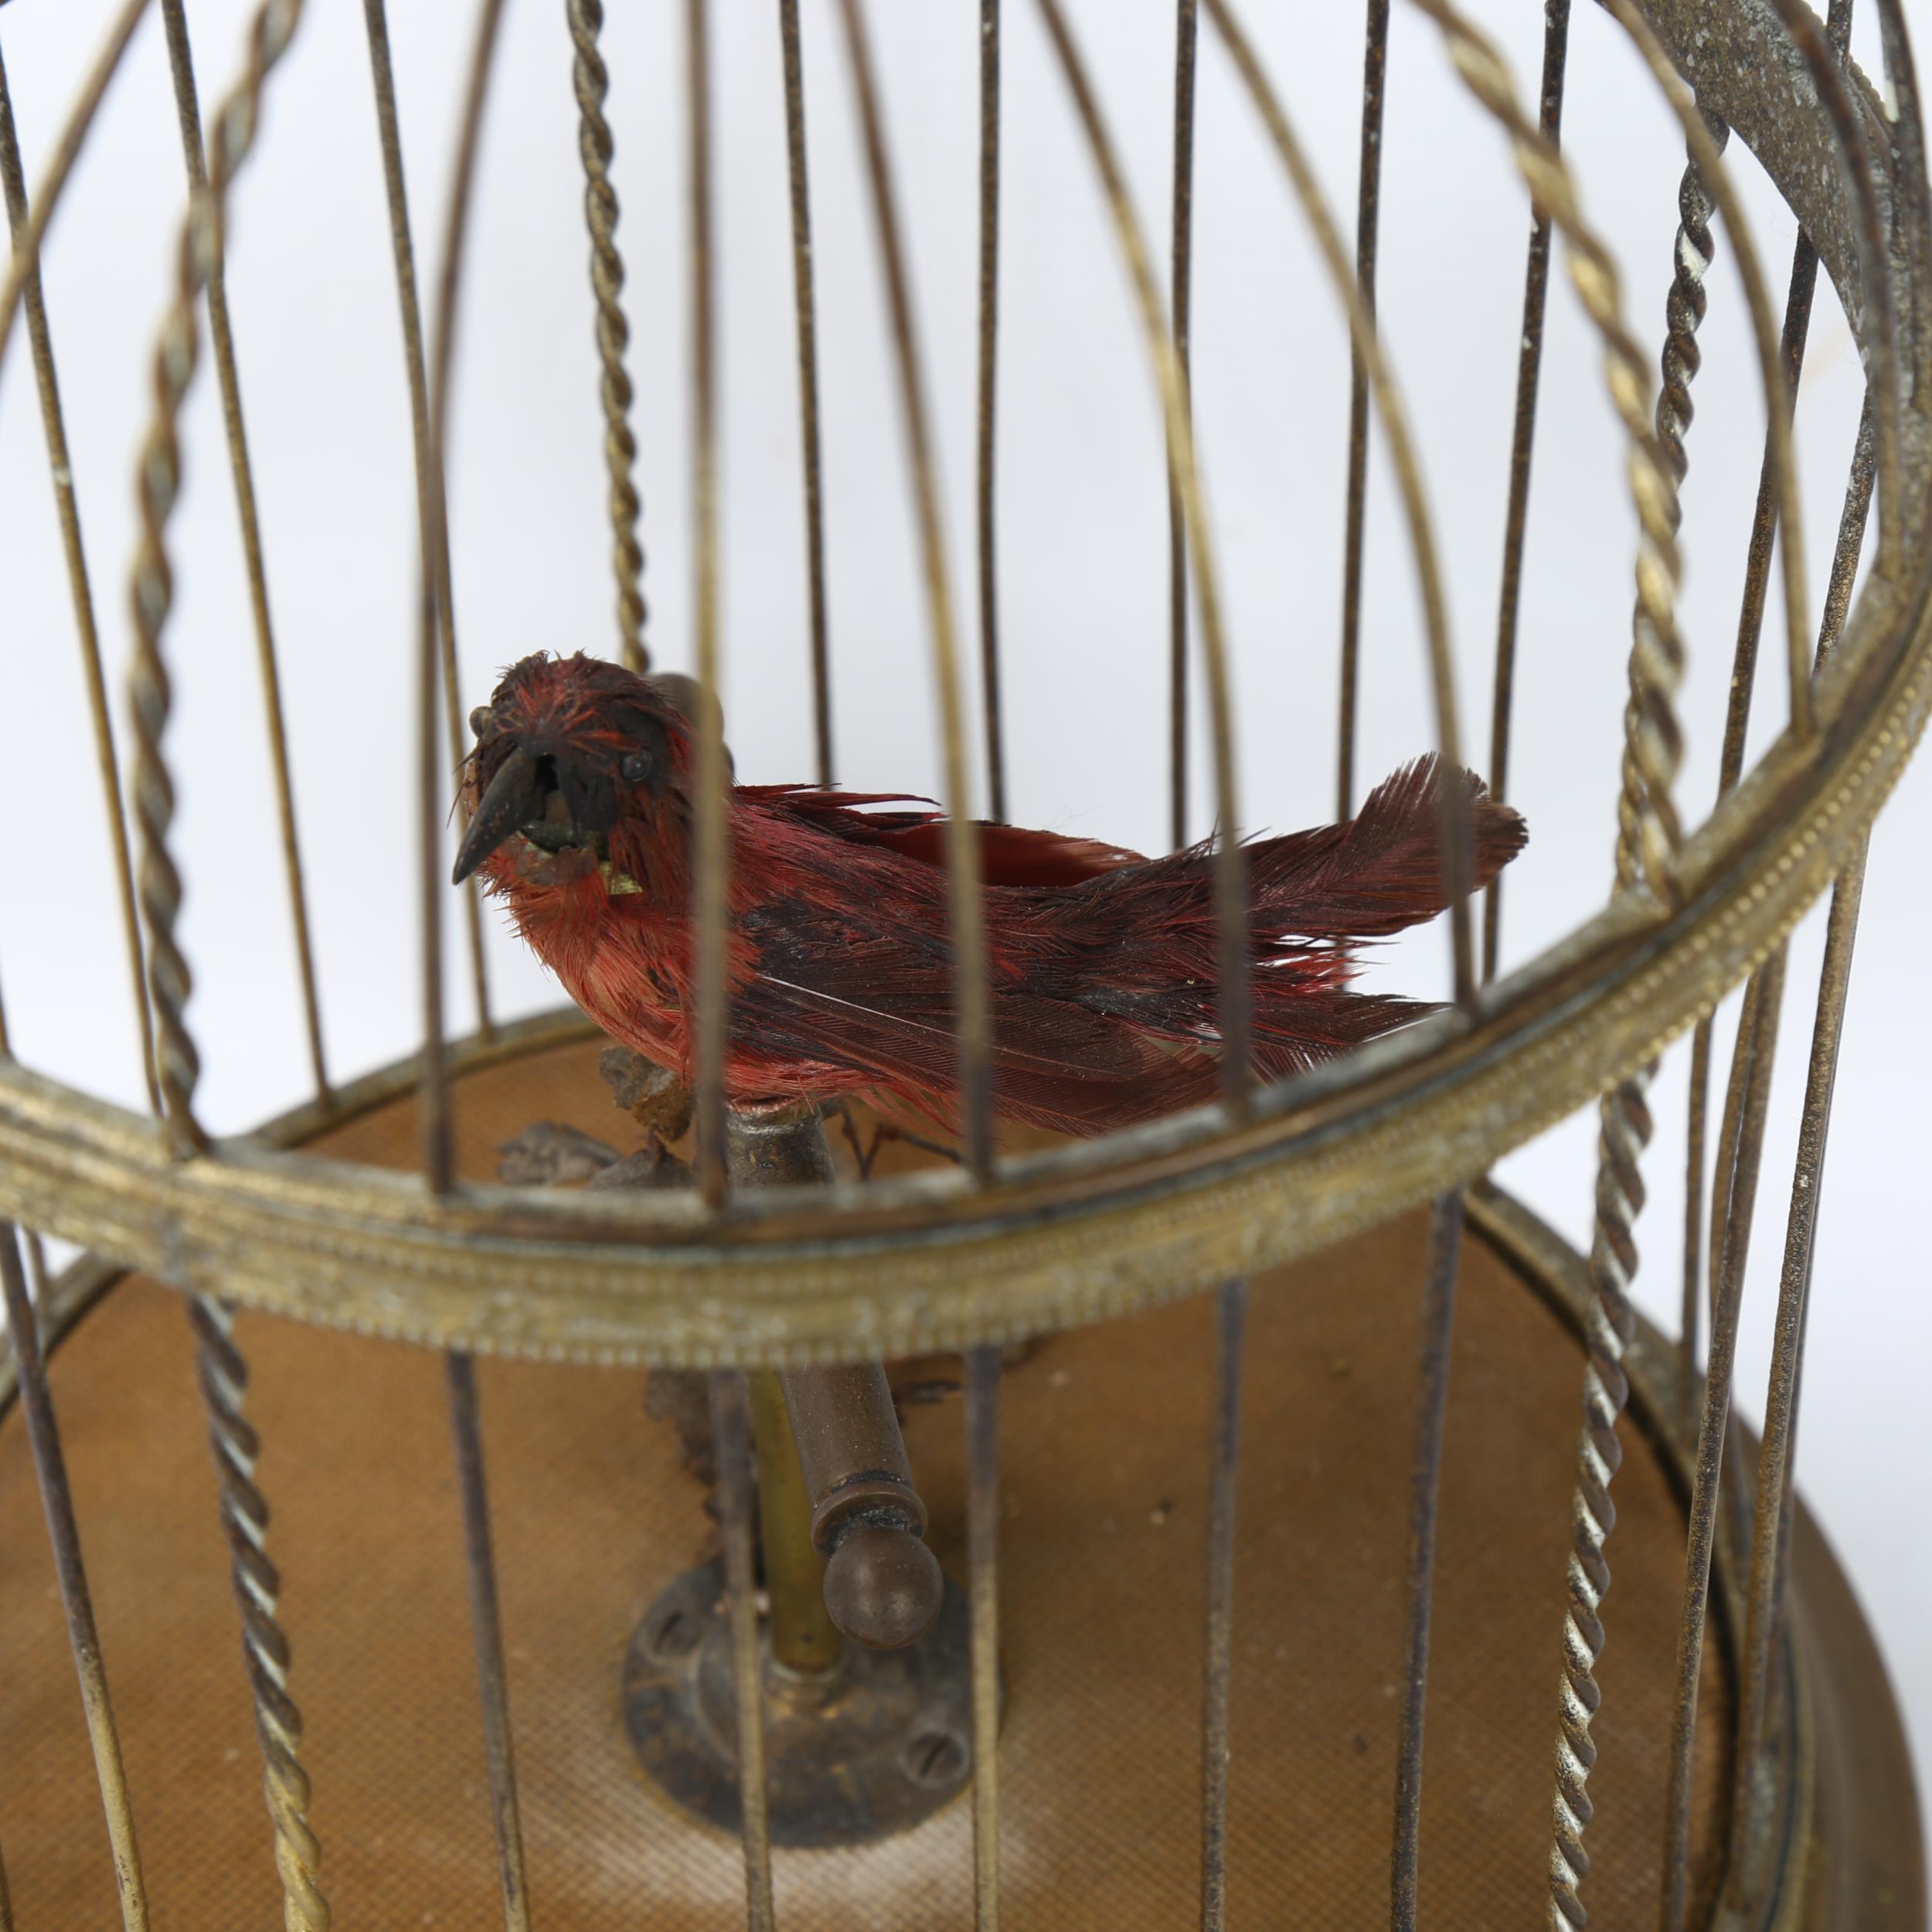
(1049,1365)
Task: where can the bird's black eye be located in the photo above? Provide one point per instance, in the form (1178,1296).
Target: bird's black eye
(480,720)
(637,767)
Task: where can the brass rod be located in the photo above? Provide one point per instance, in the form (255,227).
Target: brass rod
(1798,317)
(6,1899)
(714,853)
(728,1416)
(433,1104)
(1530,359)
(1180,304)
(25,264)
(221,335)
(595,146)
(60,463)
(38,1275)
(432,525)
(63,1535)
(1438,1334)
(1751,1070)
(1453,801)
(982,1556)
(1375,69)
(805,302)
(222,1371)
(985,526)
(158,472)
(973,1019)
(804,1639)
(1230,1328)
(486,1622)
(1230,881)
(1764,1590)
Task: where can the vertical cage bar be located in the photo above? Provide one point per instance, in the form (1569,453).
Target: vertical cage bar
(24,262)
(63,1535)
(1771,1518)
(487,1623)
(436,633)
(1230,876)
(595,146)
(1181,299)
(40,340)
(428,454)
(986,529)
(805,301)
(713,830)
(181,63)
(728,1428)
(1530,361)
(1438,1334)
(1230,1328)
(157,473)
(982,1547)
(1375,67)
(1452,804)
(798,1627)
(1752,1064)
(972,1003)
(1757,571)
(222,1371)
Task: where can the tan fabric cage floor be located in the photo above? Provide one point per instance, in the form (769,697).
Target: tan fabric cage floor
(1104,1445)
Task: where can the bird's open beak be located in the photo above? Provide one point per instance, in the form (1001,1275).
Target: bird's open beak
(513,800)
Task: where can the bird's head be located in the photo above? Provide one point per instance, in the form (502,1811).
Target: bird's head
(572,752)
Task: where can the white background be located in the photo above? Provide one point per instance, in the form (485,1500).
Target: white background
(1082,530)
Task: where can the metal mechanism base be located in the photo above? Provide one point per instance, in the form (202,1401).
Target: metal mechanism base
(875,1746)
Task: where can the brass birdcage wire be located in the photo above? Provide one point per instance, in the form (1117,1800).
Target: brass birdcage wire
(1649,827)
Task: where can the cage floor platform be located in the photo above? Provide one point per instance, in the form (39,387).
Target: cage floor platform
(1104,1440)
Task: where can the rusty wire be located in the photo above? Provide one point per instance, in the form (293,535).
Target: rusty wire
(595,145)
(1529,357)
(1771,1515)
(177,351)
(486,1621)
(1217,1673)
(222,1371)
(1425,1480)
(805,302)
(70,1574)
(1375,71)
(729,1435)
(1752,1065)
(222,337)
(982,1546)
(60,466)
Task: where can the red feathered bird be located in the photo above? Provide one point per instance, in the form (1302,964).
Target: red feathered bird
(1103,964)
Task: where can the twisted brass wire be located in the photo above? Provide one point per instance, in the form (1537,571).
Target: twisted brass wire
(177,350)
(595,145)
(1692,255)
(222,1372)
